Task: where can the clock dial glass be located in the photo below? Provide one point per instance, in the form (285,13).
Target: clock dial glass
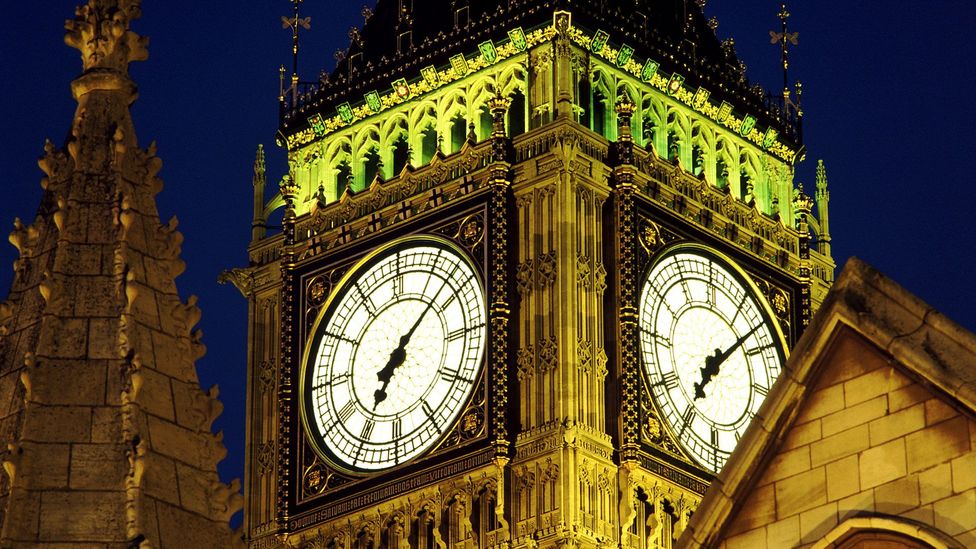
(395,355)
(710,350)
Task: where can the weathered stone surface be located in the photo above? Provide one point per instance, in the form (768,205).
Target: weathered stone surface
(64,338)
(85,377)
(882,464)
(103,339)
(106,424)
(897,424)
(45,466)
(838,446)
(160,478)
(59,424)
(194,488)
(856,414)
(24,519)
(82,516)
(98,466)
(156,397)
(801,492)
(180,528)
(86,370)
(817,521)
(843,478)
(898,496)
(938,444)
(191,447)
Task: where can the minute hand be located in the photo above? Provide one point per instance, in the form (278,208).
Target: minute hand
(714,363)
(399,355)
(738,343)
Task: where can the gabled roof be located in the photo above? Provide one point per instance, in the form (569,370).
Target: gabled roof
(921,342)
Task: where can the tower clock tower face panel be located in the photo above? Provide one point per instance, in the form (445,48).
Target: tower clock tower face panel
(711,350)
(394,356)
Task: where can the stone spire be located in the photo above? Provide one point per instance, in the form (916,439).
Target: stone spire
(106,433)
(823,200)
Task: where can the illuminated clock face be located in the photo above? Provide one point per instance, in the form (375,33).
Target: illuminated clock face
(710,350)
(395,355)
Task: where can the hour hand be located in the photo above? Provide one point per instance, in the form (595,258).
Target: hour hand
(386,374)
(714,362)
(710,370)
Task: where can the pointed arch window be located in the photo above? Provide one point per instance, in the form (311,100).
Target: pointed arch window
(371,166)
(401,154)
(517,114)
(721,174)
(343,177)
(428,145)
(599,113)
(459,132)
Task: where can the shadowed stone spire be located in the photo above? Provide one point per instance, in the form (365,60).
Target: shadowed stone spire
(106,433)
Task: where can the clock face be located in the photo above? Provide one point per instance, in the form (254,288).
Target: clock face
(395,355)
(711,352)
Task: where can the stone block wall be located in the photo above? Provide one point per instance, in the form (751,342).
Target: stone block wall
(869,439)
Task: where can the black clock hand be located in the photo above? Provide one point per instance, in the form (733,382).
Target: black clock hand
(714,363)
(399,355)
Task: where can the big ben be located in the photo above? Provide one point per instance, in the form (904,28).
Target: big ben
(539,264)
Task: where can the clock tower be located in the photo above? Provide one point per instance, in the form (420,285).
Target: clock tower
(539,263)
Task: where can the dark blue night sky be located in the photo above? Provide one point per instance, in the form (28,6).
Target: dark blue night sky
(888,91)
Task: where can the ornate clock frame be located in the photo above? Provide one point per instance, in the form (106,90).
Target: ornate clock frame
(645,218)
(476,219)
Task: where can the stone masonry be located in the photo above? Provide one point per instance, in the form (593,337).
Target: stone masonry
(869,437)
(105,430)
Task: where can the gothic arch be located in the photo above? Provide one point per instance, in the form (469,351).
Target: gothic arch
(512,79)
(654,123)
(678,135)
(866,532)
(703,141)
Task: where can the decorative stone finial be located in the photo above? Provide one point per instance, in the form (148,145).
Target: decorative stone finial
(625,110)
(100,31)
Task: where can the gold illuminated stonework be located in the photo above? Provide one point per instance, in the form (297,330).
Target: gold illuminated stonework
(563,164)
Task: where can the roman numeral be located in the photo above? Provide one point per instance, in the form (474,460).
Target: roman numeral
(760,390)
(669,380)
(450,376)
(397,428)
(450,299)
(366,302)
(689,415)
(341,338)
(456,334)
(337,380)
(714,437)
(347,411)
(430,415)
(367,431)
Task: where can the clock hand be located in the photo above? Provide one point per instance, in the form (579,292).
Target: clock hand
(399,355)
(714,362)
